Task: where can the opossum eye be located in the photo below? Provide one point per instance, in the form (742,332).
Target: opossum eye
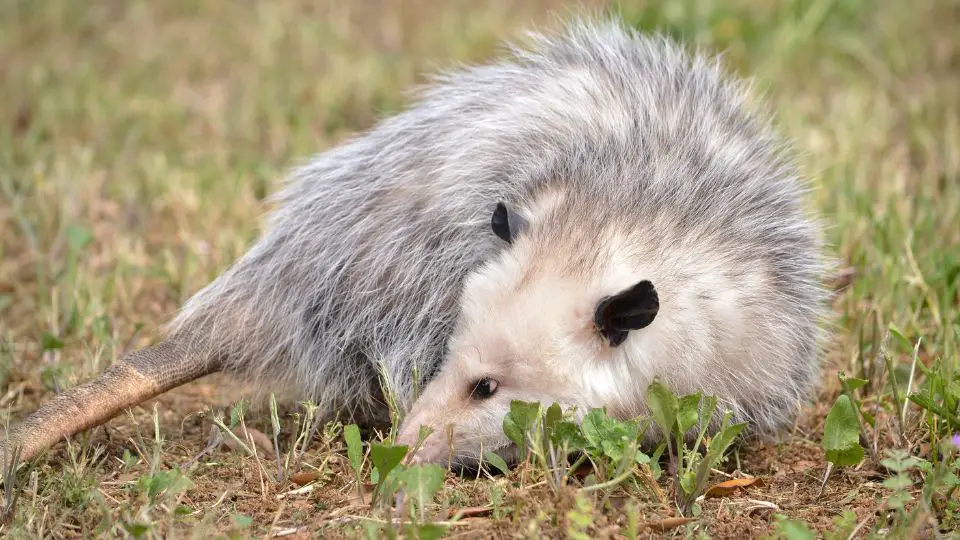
(484,388)
(631,309)
(507,224)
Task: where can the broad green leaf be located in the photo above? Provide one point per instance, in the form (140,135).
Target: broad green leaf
(236,412)
(569,434)
(900,461)
(850,455)
(78,237)
(593,428)
(49,342)
(898,482)
(385,458)
(427,531)
(688,481)
(851,383)
(241,521)
(843,525)
(136,530)
(497,462)
(663,404)
(951,480)
(841,434)
(793,530)
(688,412)
(607,435)
(552,418)
(900,337)
(722,441)
(351,435)
(898,499)
(706,415)
(520,420)
(373,529)
(423,482)
(170,482)
(182,511)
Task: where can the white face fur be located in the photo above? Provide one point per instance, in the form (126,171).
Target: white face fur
(527,331)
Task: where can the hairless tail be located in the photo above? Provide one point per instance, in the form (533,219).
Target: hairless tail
(140,376)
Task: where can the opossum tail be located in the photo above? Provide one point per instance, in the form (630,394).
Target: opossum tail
(140,376)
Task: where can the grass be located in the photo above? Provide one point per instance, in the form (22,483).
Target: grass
(138,140)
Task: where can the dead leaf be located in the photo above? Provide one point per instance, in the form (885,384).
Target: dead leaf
(668,524)
(263,443)
(304,478)
(722,489)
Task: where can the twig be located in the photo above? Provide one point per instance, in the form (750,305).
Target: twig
(826,476)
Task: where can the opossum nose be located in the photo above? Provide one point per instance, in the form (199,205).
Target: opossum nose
(407,435)
(432,451)
(416,459)
(428,454)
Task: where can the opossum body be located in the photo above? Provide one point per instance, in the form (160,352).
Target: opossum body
(595,210)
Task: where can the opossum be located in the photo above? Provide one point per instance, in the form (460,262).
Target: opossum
(596,208)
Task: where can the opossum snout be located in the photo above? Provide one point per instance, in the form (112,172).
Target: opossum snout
(463,421)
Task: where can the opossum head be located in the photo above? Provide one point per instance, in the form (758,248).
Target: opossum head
(535,325)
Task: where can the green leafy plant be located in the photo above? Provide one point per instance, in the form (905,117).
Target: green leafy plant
(520,421)
(785,528)
(939,394)
(351,435)
(385,459)
(841,434)
(900,463)
(411,487)
(612,445)
(580,518)
(844,427)
(908,508)
(677,417)
(548,437)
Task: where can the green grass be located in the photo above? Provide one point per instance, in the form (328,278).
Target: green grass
(139,139)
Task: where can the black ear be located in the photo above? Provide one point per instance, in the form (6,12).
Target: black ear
(631,309)
(507,224)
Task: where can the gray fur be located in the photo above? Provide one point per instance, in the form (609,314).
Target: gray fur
(361,266)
